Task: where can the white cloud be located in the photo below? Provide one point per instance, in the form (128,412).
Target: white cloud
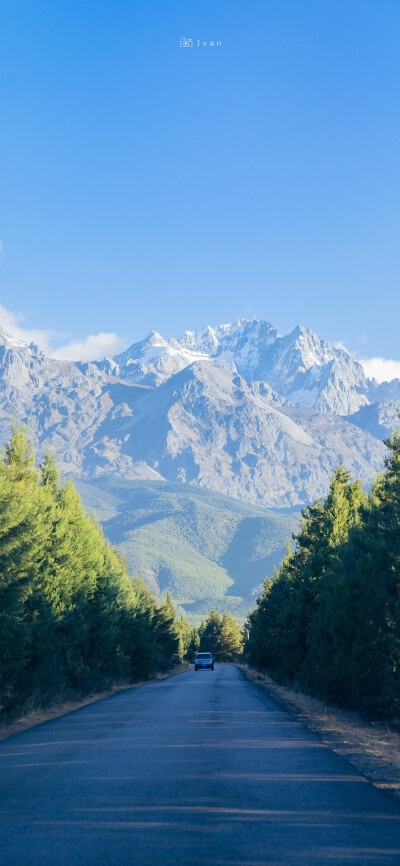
(1,248)
(12,324)
(53,343)
(106,344)
(381,369)
(91,348)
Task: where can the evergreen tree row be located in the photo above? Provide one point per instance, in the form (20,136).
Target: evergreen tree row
(222,636)
(71,620)
(330,619)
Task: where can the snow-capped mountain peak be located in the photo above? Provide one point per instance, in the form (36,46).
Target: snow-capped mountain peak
(300,366)
(237,408)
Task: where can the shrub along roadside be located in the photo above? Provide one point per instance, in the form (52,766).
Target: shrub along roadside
(71,620)
(330,618)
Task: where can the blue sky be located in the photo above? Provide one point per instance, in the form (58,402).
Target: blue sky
(148,186)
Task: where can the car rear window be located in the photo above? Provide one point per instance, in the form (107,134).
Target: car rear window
(203,655)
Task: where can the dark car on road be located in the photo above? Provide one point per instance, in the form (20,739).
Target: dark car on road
(203,661)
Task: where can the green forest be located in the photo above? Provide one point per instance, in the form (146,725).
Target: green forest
(72,620)
(329,620)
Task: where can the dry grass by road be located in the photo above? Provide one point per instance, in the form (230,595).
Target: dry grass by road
(372,747)
(31,717)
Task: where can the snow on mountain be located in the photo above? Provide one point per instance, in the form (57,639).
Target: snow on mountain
(309,372)
(206,425)
(238,409)
(154,360)
(306,370)
(65,404)
(12,341)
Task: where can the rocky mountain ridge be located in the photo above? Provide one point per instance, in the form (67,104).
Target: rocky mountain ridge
(304,369)
(237,409)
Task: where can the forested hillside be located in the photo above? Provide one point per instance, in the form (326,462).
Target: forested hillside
(70,618)
(330,619)
(205,548)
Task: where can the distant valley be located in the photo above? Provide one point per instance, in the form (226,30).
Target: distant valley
(205,548)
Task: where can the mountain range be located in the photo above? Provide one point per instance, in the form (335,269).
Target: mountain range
(238,409)
(197,454)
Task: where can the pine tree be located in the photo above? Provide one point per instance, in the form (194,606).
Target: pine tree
(287,629)
(231,638)
(21,554)
(166,633)
(70,617)
(209,633)
(187,639)
(221,635)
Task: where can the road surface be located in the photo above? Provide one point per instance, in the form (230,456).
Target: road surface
(200,768)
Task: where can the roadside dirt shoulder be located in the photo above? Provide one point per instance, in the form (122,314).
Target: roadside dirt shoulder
(36,717)
(372,747)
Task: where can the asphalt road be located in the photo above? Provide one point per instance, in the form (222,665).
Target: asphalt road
(200,768)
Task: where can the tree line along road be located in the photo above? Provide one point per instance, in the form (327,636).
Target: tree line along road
(200,768)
